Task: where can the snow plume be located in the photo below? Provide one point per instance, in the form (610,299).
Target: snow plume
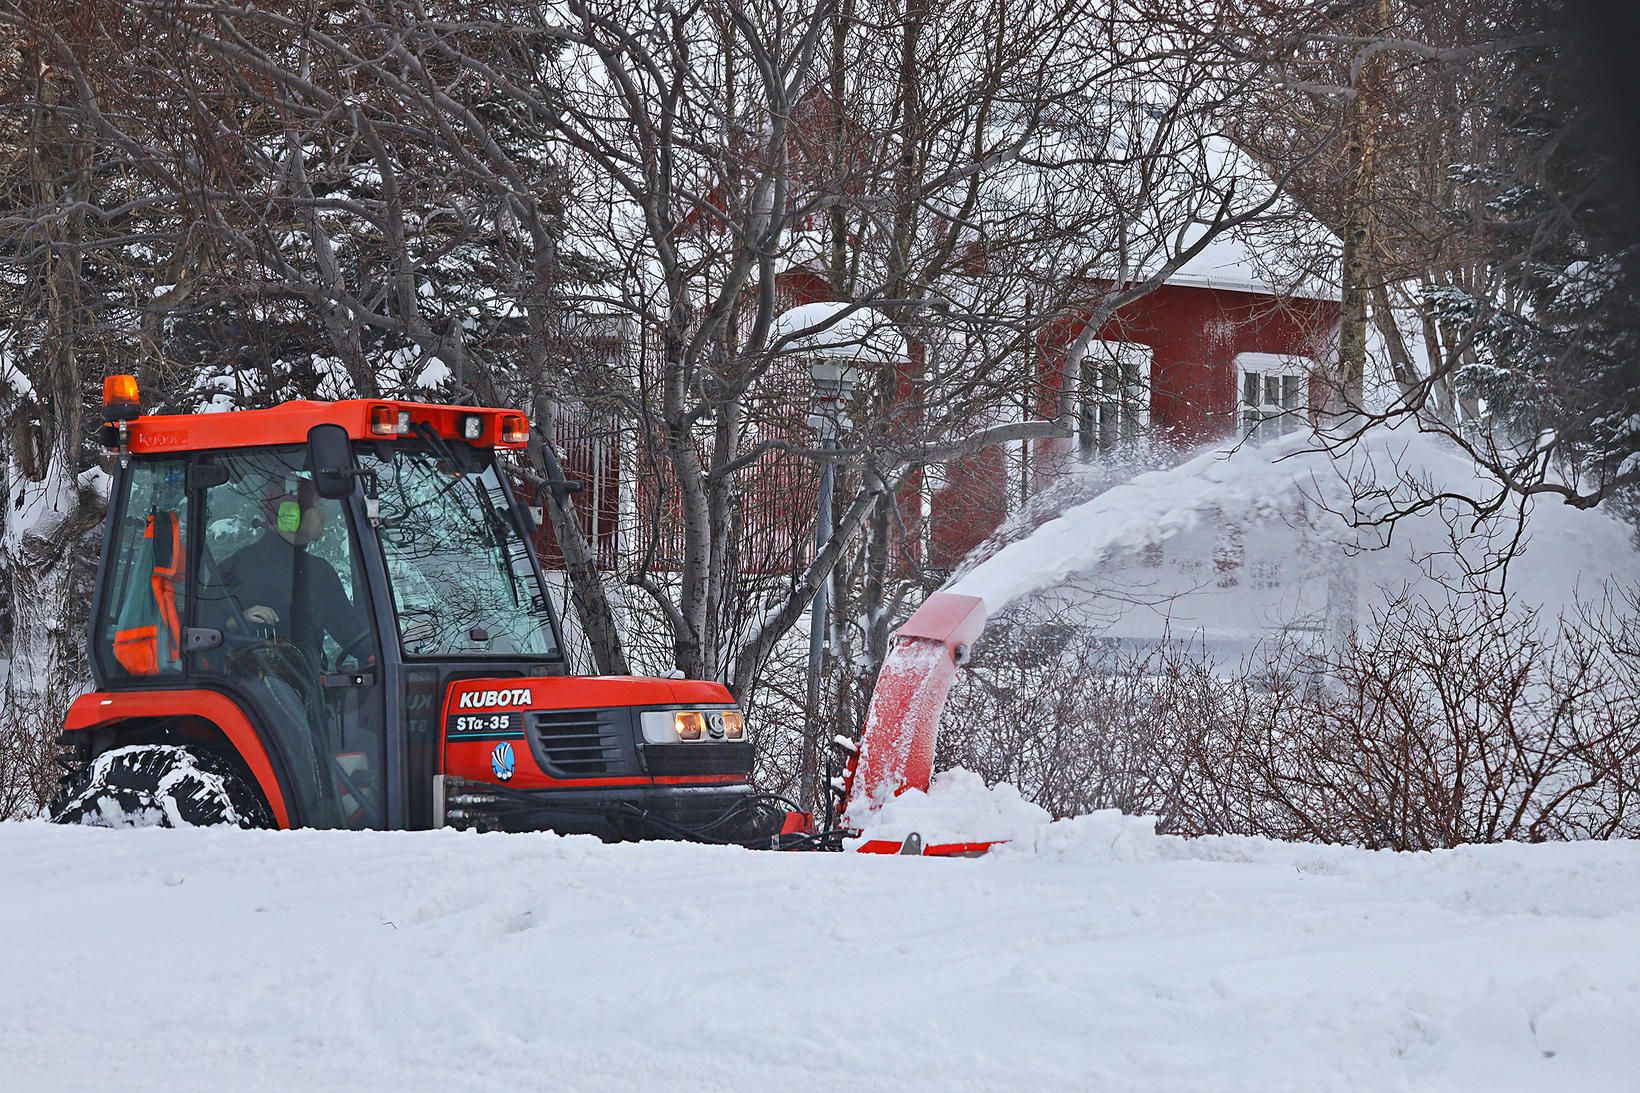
(1294,493)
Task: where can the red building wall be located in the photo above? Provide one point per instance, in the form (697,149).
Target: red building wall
(1194,335)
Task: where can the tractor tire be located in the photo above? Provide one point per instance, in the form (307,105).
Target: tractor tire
(160,785)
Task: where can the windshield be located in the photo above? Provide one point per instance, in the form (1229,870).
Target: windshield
(462,576)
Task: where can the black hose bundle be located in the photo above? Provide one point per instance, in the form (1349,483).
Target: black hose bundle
(520,808)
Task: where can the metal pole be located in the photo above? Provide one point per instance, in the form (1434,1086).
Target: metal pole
(817,623)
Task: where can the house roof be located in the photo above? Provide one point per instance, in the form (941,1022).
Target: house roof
(1284,252)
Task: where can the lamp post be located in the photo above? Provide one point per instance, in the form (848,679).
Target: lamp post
(836,339)
(834,372)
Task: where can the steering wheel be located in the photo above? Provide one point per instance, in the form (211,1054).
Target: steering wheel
(351,648)
(241,631)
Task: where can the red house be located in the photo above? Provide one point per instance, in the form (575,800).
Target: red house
(1217,351)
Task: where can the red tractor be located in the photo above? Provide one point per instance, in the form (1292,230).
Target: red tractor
(330,615)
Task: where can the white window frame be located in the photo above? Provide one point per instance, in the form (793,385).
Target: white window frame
(1112,394)
(1272,395)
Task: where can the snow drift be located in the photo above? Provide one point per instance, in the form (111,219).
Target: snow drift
(1091,954)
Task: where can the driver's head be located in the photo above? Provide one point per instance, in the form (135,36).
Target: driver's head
(296,514)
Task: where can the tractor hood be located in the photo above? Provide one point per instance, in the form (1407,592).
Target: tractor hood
(500,694)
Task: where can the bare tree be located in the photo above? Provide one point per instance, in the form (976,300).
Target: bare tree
(67,215)
(1470,181)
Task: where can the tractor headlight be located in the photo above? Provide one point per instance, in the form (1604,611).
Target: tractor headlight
(472,427)
(725,725)
(690,726)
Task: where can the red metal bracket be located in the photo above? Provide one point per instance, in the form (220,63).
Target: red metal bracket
(937,850)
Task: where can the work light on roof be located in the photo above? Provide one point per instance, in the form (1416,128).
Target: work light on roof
(386,421)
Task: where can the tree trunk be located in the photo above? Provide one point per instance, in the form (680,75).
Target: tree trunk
(587,590)
(46,508)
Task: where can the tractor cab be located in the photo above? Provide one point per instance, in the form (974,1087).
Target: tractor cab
(335,611)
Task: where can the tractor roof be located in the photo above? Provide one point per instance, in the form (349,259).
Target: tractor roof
(364,419)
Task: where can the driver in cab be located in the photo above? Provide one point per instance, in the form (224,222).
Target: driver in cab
(284,589)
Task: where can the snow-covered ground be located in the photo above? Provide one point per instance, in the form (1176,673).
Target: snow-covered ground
(1087,955)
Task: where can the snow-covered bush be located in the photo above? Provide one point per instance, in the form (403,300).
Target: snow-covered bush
(28,767)
(1437,726)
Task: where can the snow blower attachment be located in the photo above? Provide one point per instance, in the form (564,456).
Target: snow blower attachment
(335,610)
(897,747)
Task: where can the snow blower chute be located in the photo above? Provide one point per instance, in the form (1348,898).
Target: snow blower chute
(897,747)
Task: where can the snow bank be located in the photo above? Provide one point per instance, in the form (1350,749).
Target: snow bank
(1559,878)
(1100,957)
(958,807)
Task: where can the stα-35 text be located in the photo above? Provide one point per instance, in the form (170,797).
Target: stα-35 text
(494,722)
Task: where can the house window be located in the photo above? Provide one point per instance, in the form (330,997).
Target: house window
(1272,398)
(1113,409)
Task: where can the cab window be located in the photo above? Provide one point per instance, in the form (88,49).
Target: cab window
(279,583)
(139,632)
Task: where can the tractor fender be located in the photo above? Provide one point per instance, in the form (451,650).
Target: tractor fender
(105,709)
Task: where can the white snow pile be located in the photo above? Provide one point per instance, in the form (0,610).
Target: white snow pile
(960,808)
(1091,954)
(957,808)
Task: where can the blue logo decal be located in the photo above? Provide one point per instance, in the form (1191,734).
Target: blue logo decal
(502,761)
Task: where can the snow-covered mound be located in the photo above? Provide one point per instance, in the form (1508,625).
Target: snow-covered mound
(958,807)
(1090,954)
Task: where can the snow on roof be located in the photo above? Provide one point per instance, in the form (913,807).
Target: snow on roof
(1144,184)
(1282,251)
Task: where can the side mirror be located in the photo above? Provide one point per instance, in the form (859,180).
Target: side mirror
(330,458)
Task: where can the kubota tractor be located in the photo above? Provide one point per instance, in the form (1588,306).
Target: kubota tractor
(330,615)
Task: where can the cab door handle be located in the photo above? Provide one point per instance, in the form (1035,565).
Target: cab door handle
(348,679)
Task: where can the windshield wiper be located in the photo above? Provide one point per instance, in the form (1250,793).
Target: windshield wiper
(501,529)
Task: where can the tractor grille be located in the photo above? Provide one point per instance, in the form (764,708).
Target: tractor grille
(584,743)
(712,758)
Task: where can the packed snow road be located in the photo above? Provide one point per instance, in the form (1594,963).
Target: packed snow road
(1093,955)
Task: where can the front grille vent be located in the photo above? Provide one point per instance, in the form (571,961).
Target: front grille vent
(582,743)
(685,759)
